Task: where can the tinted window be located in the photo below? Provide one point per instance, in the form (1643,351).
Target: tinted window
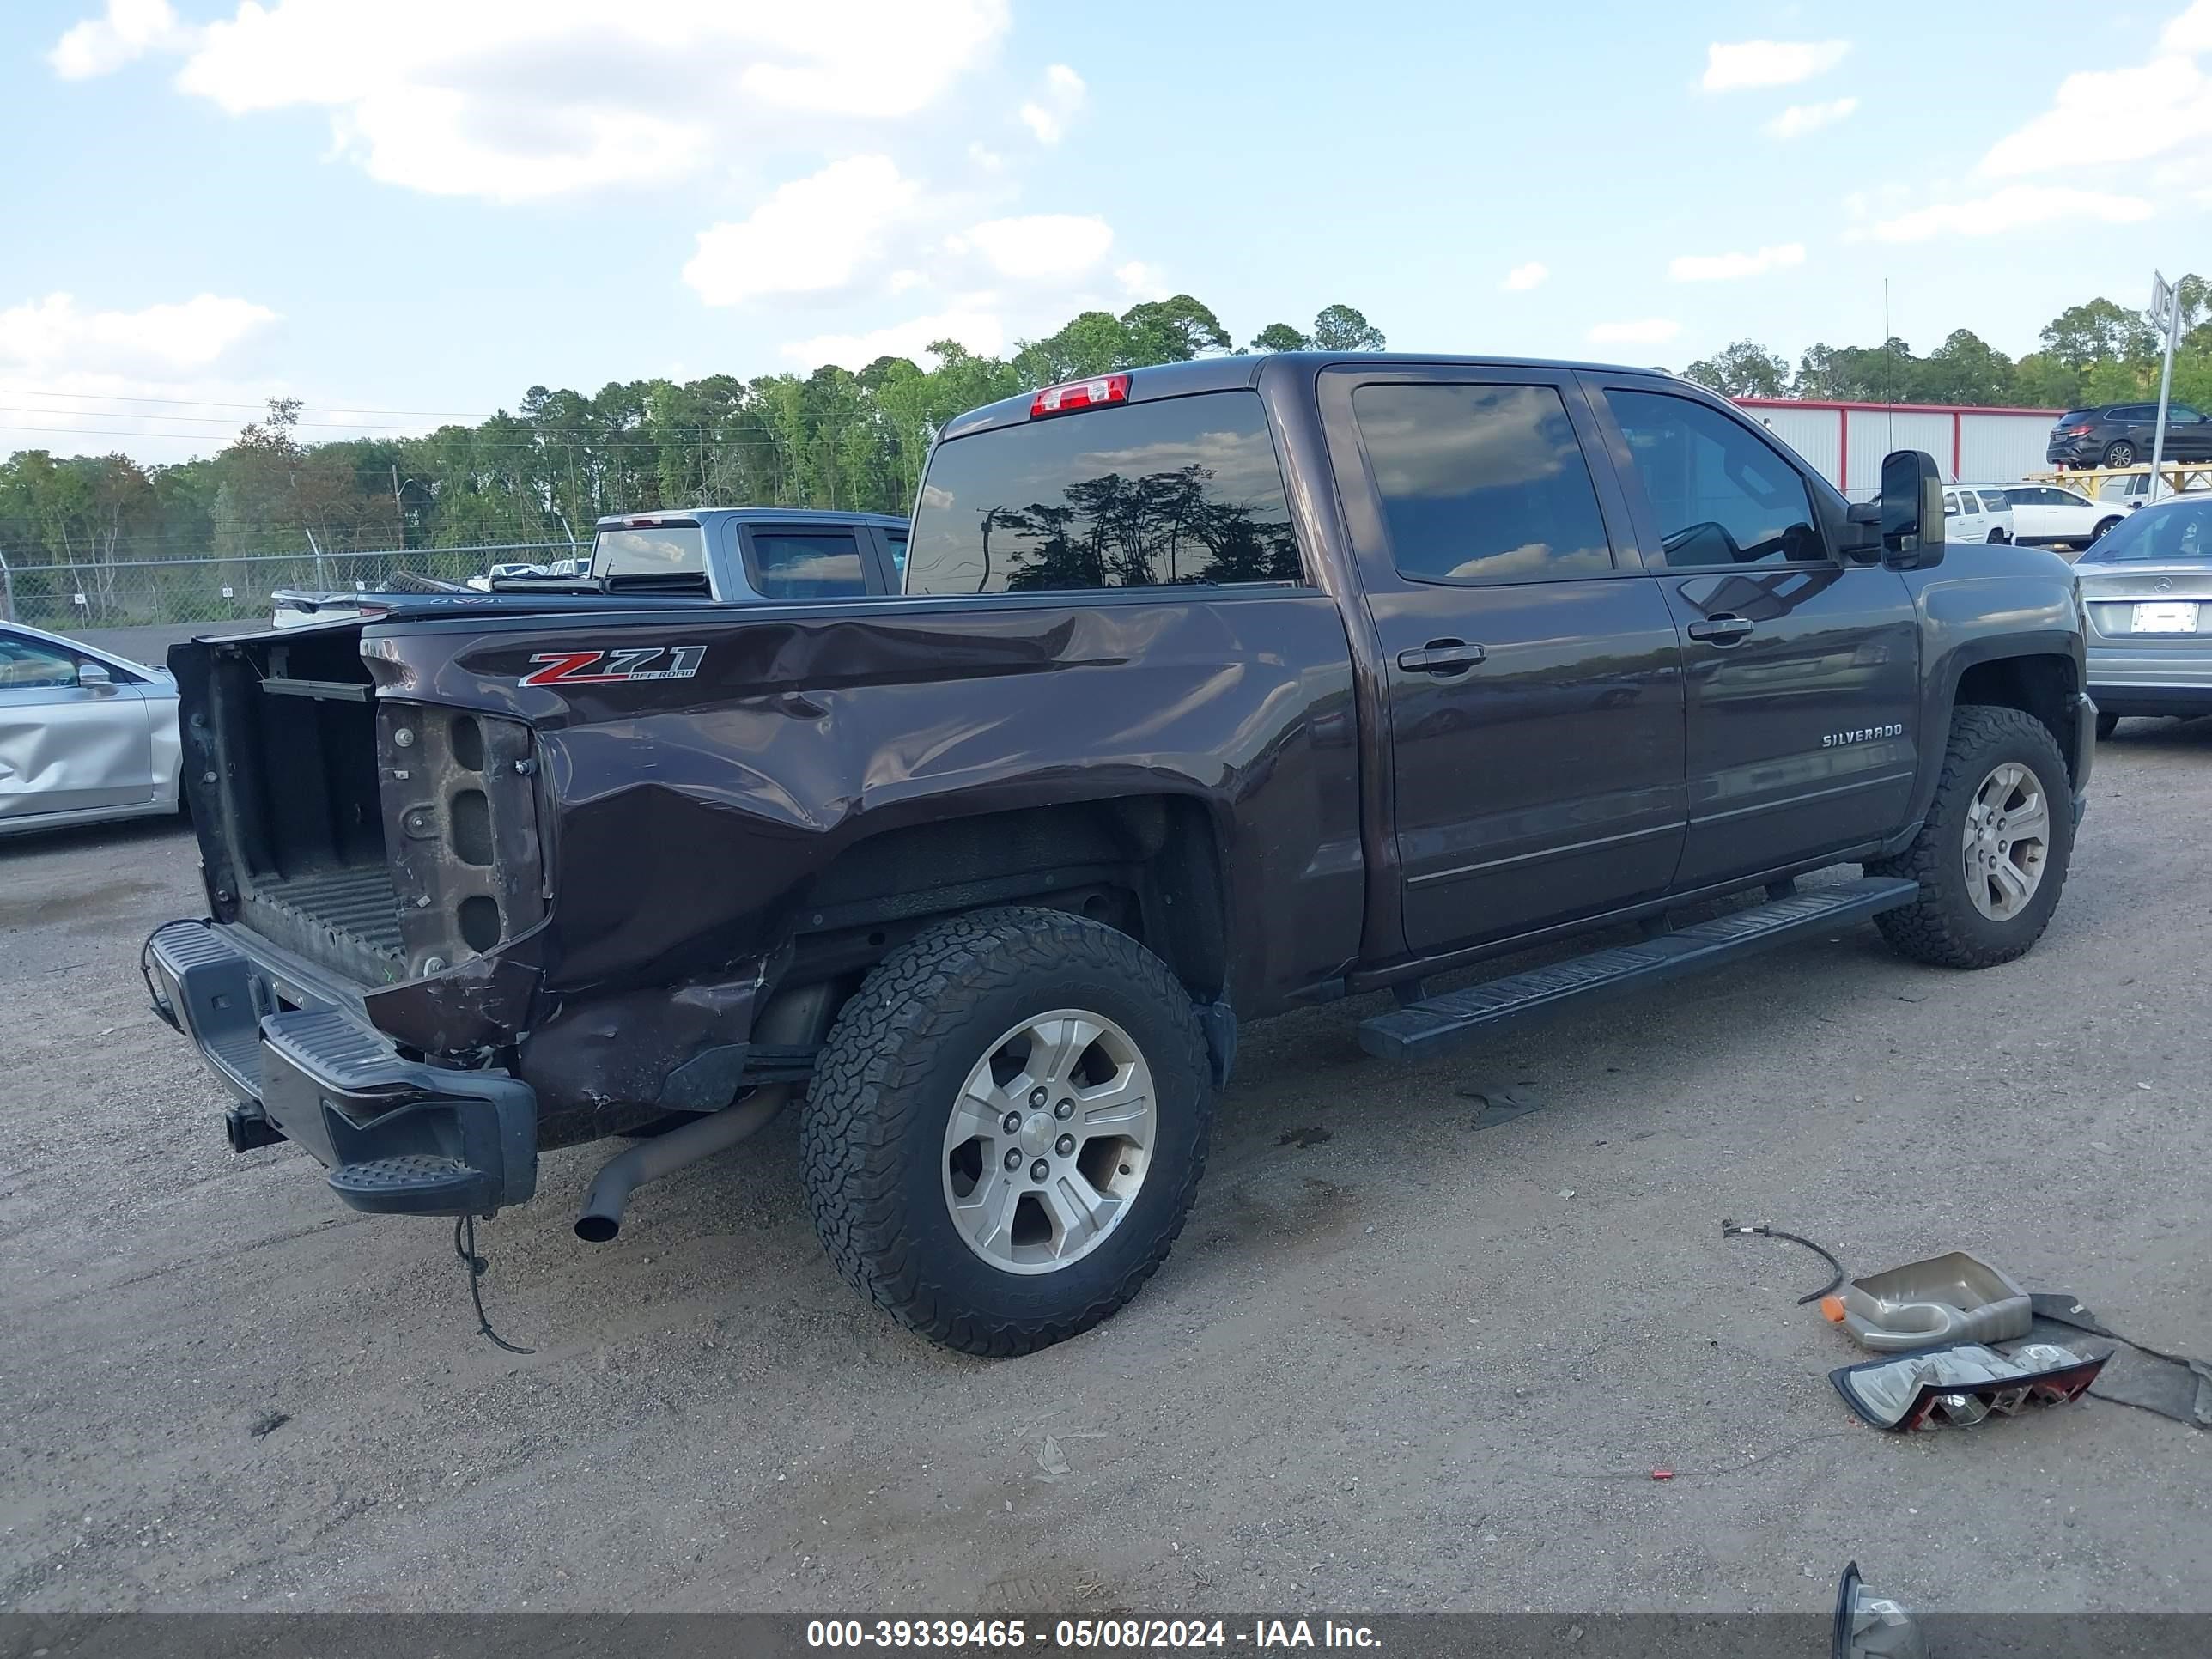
(1185,489)
(2074,416)
(1481,484)
(25,663)
(808,564)
(895,541)
(2182,412)
(663,551)
(2127,412)
(1720,495)
(2181,532)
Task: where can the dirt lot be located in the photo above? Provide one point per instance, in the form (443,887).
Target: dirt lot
(1396,1362)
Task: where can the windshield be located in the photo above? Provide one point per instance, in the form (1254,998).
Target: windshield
(657,551)
(1182,489)
(2183,530)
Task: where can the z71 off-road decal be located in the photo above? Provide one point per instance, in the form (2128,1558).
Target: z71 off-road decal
(639,662)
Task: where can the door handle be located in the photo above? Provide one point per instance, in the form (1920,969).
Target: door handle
(1442,656)
(1722,629)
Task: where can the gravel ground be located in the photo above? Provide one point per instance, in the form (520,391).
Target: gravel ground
(1396,1363)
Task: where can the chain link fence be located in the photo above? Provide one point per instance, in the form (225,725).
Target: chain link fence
(127,594)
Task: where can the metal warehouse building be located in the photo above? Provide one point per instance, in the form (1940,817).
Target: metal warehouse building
(1846,441)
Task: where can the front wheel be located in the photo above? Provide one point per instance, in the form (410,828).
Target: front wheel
(1991,856)
(1006,1127)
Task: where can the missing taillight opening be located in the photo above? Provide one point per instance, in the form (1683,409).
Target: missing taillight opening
(1080,394)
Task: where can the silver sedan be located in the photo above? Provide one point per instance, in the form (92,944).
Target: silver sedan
(2147,584)
(85,735)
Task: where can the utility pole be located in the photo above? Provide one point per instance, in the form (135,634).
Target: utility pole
(2165,308)
(398,507)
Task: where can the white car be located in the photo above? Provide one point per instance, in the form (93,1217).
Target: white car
(85,735)
(2050,515)
(1969,516)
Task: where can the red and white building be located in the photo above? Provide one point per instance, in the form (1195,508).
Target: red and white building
(1845,442)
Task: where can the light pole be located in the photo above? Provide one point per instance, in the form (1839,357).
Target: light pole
(2165,308)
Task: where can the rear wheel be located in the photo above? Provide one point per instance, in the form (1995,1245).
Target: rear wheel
(1007,1127)
(2119,453)
(2103,524)
(1992,854)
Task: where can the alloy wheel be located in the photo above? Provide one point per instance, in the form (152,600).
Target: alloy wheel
(2007,842)
(1049,1141)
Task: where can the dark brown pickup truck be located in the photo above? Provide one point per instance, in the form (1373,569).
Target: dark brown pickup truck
(1217,688)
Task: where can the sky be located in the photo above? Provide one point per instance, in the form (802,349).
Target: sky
(409,211)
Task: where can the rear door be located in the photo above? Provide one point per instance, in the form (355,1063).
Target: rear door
(2188,434)
(801,560)
(1802,671)
(64,746)
(1533,669)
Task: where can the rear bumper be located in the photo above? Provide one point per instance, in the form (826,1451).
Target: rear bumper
(398,1136)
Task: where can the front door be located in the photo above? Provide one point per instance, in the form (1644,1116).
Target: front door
(1533,679)
(67,747)
(1803,672)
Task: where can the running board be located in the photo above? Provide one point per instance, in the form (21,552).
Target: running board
(1423,1030)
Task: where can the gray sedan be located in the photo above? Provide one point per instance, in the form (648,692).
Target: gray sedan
(2147,584)
(85,735)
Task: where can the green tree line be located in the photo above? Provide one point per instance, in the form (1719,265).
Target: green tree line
(545,470)
(2099,352)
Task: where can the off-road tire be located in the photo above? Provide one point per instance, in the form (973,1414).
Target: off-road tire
(872,1135)
(1942,927)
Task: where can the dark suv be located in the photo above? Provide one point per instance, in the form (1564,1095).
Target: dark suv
(2122,434)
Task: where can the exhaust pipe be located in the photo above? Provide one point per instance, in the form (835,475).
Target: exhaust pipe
(714,1132)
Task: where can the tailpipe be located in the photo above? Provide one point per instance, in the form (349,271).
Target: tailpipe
(715,1132)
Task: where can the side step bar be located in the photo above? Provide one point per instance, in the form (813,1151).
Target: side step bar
(1421,1030)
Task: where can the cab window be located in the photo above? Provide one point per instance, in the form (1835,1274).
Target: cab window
(1721,496)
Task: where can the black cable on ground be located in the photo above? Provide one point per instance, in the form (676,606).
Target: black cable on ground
(476,1265)
(1735,1229)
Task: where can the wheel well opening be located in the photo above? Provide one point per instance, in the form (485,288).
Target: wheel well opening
(1148,866)
(2042,687)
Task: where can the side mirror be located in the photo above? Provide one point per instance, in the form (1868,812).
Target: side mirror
(94,677)
(1912,510)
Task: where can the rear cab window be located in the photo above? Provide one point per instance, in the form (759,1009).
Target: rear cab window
(1141,495)
(671,548)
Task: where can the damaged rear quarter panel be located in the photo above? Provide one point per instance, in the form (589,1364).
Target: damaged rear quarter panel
(688,815)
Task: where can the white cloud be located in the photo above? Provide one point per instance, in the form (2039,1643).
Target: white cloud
(2016,207)
(128,30)
(1801,119)
(2191,32)
(522,100)
(55,334)
(2135,113)
(1522,278)
(1726,267)
(1048,113)
(979,330)
(813,236)
(1140,280)
(986,158)
(1733,65)
(1041,245)
(1649,330)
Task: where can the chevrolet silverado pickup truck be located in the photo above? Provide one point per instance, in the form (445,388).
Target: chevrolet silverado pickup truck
(1215,689)
(731,555)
